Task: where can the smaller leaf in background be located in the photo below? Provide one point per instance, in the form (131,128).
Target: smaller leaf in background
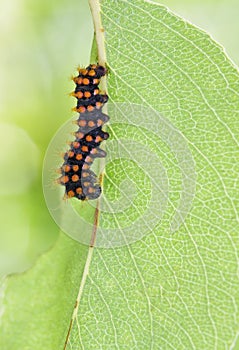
(37,306)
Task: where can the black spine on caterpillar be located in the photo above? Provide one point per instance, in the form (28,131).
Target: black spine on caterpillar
(76,176)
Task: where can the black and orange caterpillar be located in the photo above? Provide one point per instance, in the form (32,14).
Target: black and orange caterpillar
(76,176)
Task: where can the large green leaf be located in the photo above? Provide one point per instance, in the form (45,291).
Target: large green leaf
(170,290)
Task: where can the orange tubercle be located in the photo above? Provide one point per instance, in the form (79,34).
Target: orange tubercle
(79,156)
(96,81)
(98,139)
(83,71)
(85,174)
(80,135)
(75,167)
(63,179)
(91,123)
(79,190)
(75,178)
(99,122)
(76,144)
(82,122)
(89,138)
(70,194)
(78,94)
(91,73)
(90,108)
(94,151)
(87,94)
(70,154)
(81,109)
(91,189)
(66,168)
(77,80)
(99,105)
(88,159)
(85,81)
(85,166)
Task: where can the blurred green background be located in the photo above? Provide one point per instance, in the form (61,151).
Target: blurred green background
(42,43)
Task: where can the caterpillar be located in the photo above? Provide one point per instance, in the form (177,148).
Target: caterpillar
(79,181)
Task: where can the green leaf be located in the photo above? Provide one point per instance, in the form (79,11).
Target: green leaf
(180,290)
(37,305)
(170,290)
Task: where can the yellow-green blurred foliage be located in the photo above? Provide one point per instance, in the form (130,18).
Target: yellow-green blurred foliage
(42,42)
